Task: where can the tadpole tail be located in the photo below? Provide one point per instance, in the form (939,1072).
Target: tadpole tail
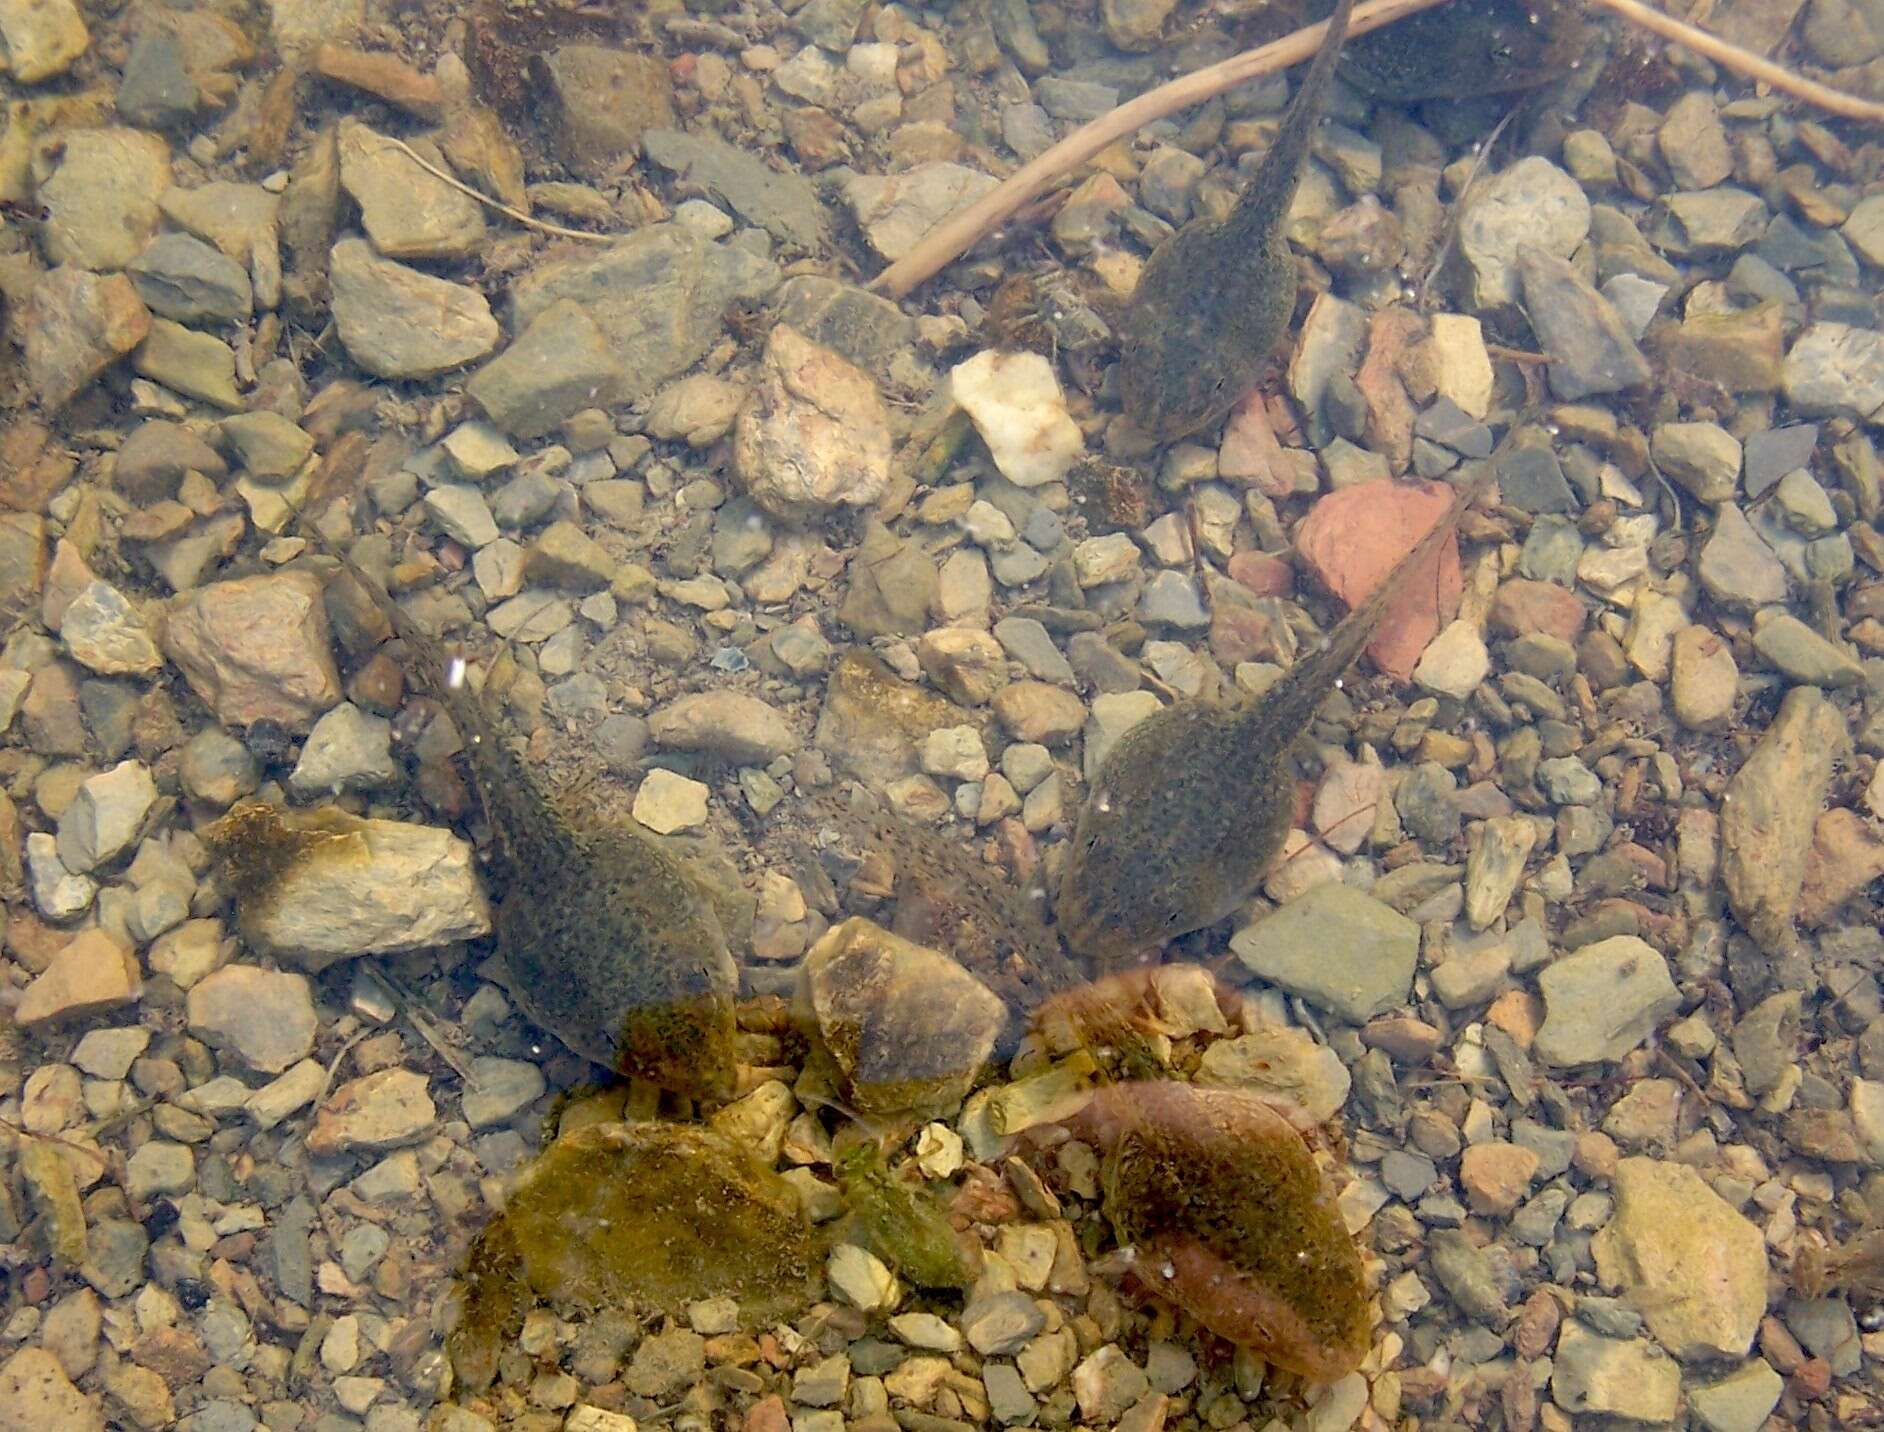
(1291,701)
(1272,190)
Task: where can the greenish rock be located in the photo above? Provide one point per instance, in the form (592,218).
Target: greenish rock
(1338,948)
(266,443)
(194,364)
(560,364)
(651,1216)
(901,1222)
(780,201)
(1740,1401)
(894,586)
(1603,1000)
(1801,653)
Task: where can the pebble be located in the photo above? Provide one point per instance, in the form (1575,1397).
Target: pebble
(1602,1376)
(1801,653)
(1000,1324)
(90,975)
(1703,457)
(897,210)
(1705,679)
(729,724)
(668,802)
(263,1019)
(815,436)
(105,817)
(376,1111)
(1532,202)
(396,322)
(1590,348)
(348,750)
(1496,1176)
(1036,712)
(1455,662)
(79,324)
(36,1393)
(1603,1000)
(1736,567)
(860,1278)
(1336,947)
(1015,403)
(1833,369)
(256,649)
(1738,1402)
(1767,813)
(101,201)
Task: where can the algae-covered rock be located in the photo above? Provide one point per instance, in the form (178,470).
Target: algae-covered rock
(904,1028)
(651,1216)
(902,1223)
(1217,1191)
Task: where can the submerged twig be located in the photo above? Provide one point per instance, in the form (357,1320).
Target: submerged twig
(956,234)
(509,211)
(1744,62)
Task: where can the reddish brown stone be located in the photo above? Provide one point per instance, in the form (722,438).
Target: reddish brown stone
(1353,538)
(1263,573)
(1846,856)
(1523,607)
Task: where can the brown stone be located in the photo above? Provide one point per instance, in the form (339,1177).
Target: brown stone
(36,1395)
(78,324)
(91,974)
(1353,538)
(1496,1175)
(386,76)
(1846,856)
(1039,711)
(32,468)
(1523,607)
(257,649)
(1263,573)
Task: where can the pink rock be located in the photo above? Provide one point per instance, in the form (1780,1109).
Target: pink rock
(1263,573)
(1523,607)
(1351,540)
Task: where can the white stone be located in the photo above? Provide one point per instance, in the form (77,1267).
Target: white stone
(1016,405)
(861,1278)
(1455,661)
(1463,370)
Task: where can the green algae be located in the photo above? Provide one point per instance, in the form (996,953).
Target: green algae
(1231,1220)
(642,1216)
(903,1224)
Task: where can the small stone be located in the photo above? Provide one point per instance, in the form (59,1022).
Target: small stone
(262,1018)
(1703,457)
(1603,1000)
(77,324)
(1016,405)
(860,1278)
(105,817)
(1737,568)
(101,200)
(503,1088)
(256,649)
(815,435)
(1603,1376)
(35,1393)
(1455,662)
(1705,679)
(1106,1383)
(91,974)
(1834,369)
(1801,653)
(1494,865)
(1337,948)
(1532,202)
(1740,1401)
(376,1111)
(1694,142)
(668,802)
(897,210)
(1589,346)
(1496,1176)
(183,278)
(1000,1324)
(732,725)
(348,750)
(396,322)
(1036,712)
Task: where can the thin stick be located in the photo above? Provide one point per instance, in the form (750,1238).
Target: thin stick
(515,215)
(953,236)
(1744,62)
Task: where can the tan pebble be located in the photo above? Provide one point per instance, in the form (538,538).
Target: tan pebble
(1496,1175)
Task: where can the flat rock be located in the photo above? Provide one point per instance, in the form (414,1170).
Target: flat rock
(1705,679)
(1603,1000)
(1015,403)
(91,973)
(659,298)
(102,201)
(181,277)
(729,724)
(1533,202)
(1338,948)
(257,649)
(360,887)
(1601,1376)
(36,1395)
(780,201)
(107,634)
(105,816)
(78,324)
(560,364)
(348,750)
(815,436)
(603,100)
(1835,369)
(1768,811)
(381,1110)
(396,322)
(1353,538)
(42,39)
(1682,1257)
(1801,653)
(1740,1401)
(1590,347)
(1737,568)
(263,1019)
(896,211)
(905,1026)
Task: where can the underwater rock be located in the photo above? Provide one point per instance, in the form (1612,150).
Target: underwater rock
(905,1027)
(1216,1191)
(650,1216)
(902,1223)
(1464,49)
(322,886)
